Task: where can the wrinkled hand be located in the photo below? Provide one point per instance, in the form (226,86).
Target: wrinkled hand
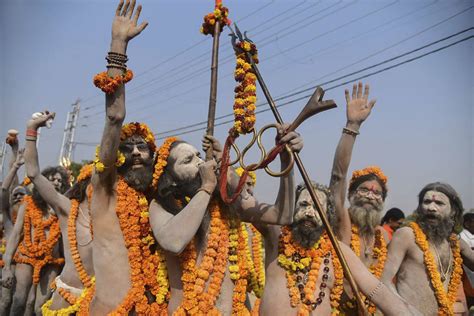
(209,141)
(293,139)
(124,27)
(207,171)
(20,159)
(40,120)
(359,108)
(7,278)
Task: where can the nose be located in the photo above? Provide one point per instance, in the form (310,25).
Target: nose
(135,151)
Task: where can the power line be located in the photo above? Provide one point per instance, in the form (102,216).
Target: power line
(332,87)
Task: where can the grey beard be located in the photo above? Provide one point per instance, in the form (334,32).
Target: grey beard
(366,218)
(139,179)
(438,231)
(305,237)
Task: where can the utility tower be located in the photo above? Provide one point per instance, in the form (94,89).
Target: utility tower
(67,146)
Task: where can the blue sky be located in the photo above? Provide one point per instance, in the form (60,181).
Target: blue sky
(420,130)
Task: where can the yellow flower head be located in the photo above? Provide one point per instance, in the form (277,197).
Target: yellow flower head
(252,174)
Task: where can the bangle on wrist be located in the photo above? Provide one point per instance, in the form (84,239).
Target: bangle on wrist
(204,190)
(30,138)
(349,131)
(31,132)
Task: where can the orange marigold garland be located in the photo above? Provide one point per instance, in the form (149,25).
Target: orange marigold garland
(37,250)
(379,254)
(445,300)
(162,160)
(140,129)
(293,258)
(220,14)
(255,262)
(375,170)
(132,212)
(110,84)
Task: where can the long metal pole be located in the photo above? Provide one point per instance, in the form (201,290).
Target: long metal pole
(213,92)
(312,193)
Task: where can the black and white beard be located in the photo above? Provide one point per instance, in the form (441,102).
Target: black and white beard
(306,236)
(139,179)
(365,216)
(188,188)
(437,230)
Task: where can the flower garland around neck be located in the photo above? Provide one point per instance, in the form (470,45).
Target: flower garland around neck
(294,258)
(445,300)
(147,268)
(196,299)
(110,84)
(255,261)
(220,14)
(246,89)
(77,307)
(37,250)
(99,165)
(162,160)
(379,255)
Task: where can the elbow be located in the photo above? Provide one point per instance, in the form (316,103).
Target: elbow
(170,244)
(116,118)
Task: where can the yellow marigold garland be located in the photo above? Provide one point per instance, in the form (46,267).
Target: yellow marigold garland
(37,250)
(220,14)
(85,296)
(251,174)
(110,84)
(162,160)
(246,89)
(255,262)
(132,212)
(311,258)
(379,254)
(375,170)
(99,165)
(445,300)
(26,182)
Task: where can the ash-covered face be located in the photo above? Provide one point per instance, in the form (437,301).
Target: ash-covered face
(138,167)
(57,180)
(17,195)
(435,216)
(184,167)
(366,205)
(247,190)
(307,225)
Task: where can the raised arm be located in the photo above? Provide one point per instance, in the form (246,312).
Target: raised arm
(12,245)
(124,28)
(174,232)
(12,174)
(357,110)
(57,201)
(281,212)
(388,302)
(12,140)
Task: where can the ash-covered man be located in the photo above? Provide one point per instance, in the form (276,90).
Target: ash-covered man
(203,239)
(425,257)
(125,261)
(76,274)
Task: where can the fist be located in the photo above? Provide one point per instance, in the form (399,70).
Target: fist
(292,139)
(40,119)
(7,278)
(12,137)
(207,171)
(209,141)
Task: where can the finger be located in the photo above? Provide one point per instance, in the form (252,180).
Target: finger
(137,14)
(52,115)
(142,27)
(372,103)
(348,98)
(354,91)
(130,9)
(119,8)
(125,8)
(289,137)
(359,90)
(366,92)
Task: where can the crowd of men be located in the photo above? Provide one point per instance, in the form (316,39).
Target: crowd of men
(143,229)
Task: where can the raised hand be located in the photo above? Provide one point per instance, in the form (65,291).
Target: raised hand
(20,159)
(12,138)
(358,108)
(209,141)
(293,139)
(40,119)
(124,27)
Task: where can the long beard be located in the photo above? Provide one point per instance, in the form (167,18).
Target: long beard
(365,216)
(436,231)
(306,236)
(139,179)
(188,187)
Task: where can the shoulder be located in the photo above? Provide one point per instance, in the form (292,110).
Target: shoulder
(404,233)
